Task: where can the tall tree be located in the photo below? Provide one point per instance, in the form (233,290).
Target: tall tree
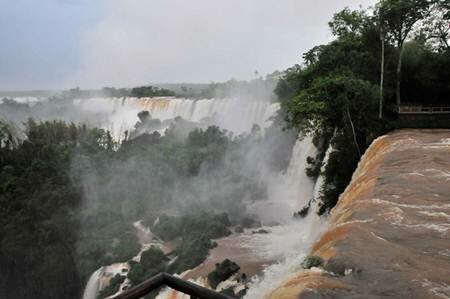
(399,18)
(382,39)
(437,25)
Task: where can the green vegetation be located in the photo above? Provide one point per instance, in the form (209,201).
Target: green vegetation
(71,193)
(222,272)
(336,95)
(312,261)
(113,286)
(195,232)
(38,214)
(150,91)
(191,253)
(152,262)
(212,226)
(139,92)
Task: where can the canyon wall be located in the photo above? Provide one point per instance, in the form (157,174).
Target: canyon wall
(389,233)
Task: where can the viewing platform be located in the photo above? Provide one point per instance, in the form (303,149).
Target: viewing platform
(419,109)
(423,116)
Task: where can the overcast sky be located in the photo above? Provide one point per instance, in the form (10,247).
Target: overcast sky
(53,44)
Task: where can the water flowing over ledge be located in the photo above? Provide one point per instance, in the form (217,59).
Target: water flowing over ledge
(389,234)
(119,115)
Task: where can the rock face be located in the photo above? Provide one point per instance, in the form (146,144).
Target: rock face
(389,234)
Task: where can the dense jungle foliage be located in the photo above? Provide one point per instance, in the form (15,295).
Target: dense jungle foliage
(335,94)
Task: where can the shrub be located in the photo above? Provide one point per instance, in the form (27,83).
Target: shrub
(153,257)
(113,286)
(223,271)
(312,261)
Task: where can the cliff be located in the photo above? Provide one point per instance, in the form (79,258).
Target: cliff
(389,233)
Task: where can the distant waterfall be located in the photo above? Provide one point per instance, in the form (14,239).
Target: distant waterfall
(235,115)
(118,115)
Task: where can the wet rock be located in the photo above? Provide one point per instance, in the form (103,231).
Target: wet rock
(250,223)
(261,231)
(303,212)
(239,229)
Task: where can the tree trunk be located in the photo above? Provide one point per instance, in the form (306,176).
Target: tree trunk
(399,74)
(444,40)
(354,133)
(380,115)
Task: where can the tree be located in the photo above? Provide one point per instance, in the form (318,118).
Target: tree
(383,47)
(437,25)
(399,18)
(348,22)
(341,101)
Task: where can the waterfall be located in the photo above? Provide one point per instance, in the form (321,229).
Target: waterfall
(289,191)
(320,180)
(295,190)
(235,115)
(120,114)
(93,285)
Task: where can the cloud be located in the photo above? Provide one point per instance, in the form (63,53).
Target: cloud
(141,41)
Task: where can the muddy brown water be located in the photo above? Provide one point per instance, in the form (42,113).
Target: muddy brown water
(389,235)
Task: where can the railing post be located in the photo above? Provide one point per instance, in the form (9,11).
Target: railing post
(176,283)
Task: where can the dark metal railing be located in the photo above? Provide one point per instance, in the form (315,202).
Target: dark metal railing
(164,279)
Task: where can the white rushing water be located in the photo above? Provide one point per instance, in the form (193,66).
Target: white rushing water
(93,285)
(120,114)
(292,241)
(234,115)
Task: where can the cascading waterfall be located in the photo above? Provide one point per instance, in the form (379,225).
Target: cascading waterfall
(296,191)
(234,115)
(119,115)
(93,285)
